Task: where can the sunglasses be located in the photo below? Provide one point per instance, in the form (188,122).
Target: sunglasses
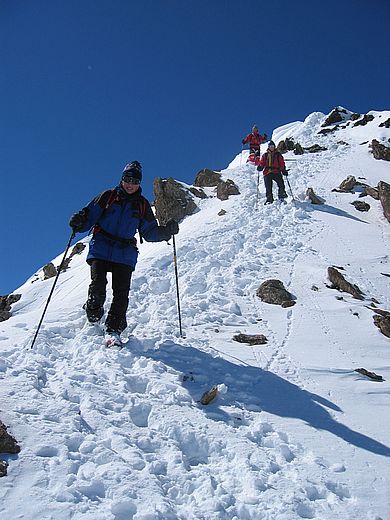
(130,180)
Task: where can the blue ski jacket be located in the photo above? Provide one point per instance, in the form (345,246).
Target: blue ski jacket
(115,217)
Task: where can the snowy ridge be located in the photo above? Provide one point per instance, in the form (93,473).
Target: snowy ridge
(120,434)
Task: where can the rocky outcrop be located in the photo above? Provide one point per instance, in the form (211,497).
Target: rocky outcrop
(50,270)
(314,199)
(347,184)
(382,321)
(360,205)
(384,197)
(198,193)
(385,124)
(287,145)
(298,150)
(341,284)
(364,120)
(373,192)
(315,148)
(8,444)
(325,131)
(274,292)
(77,250)
(226,188)
(335,116)
(172,200)
(207,178)
(380,151)
(5,305)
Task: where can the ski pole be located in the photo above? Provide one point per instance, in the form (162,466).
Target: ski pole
(257,189)
(288,182)
(59,269)
(242,149)
(177,284)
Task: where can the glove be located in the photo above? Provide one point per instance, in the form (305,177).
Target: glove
(260,168)
(285,173)
(265,137)
(172,227)
(78,220)
(243,141)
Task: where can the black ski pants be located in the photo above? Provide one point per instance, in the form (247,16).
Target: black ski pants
(121,278)
(268,180)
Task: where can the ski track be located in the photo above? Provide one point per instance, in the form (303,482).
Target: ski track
(127,424)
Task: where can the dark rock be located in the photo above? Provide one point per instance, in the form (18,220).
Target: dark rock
(343,143)
(287,145)
(274,292)
(315,148)
(384,197)
(373,192)
(360,205)
(347,184)
(8,443)
(49,270)
(371,375)
(364,120)
(221,213)
(5,305)
(172,200)
(77,250)
(226,188)
(209,395)
(207,178)
(386,123)
(355,116)
(383,324)
(198,193)
(251,339)
(380,151)
(298,150)
(314,199)
(3,468)
(288,303)
(327,130)
(334,117)
(341,284)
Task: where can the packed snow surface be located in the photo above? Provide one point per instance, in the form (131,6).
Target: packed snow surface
(294,432)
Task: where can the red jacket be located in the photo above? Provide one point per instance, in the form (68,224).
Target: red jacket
(254,140)
(272,162)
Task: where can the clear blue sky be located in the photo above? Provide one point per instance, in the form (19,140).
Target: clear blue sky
(88,85)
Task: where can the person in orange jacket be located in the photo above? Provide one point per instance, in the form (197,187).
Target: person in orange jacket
(273,166)
(254,139)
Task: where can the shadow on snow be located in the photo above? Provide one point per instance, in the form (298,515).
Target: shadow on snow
(248,386)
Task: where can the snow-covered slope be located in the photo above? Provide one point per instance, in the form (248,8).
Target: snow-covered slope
(294,432)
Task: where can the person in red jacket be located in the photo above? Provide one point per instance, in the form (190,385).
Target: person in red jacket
(254,139)
(273,166)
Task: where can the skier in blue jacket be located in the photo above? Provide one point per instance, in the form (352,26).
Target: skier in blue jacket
(115,216)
